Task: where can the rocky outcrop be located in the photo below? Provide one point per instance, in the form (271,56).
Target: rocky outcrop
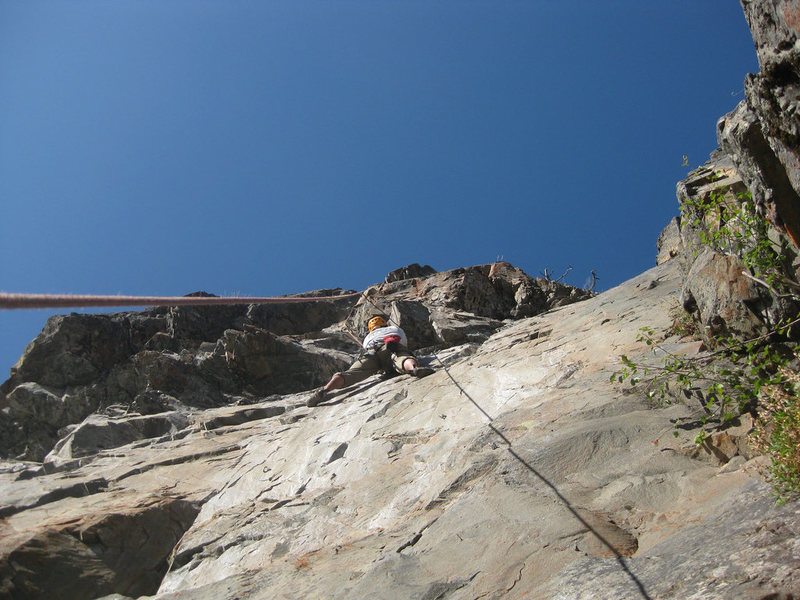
(762,135)
(463,305)
(409,272)
(158,360)
(719,288)
(757,156)
(186,359)
(742,138)
(715,289)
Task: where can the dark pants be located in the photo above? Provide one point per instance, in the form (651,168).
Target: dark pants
(376,361)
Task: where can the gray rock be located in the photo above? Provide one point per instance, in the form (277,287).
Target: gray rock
(765,135)
(409,272)
(78,349)
(432,306)
(517,469)
(758,539)
(415,319)
(295,319)
(168,359)
(741,136)
(124,553)
(32,416)
(98,432)
(722,296)
(669,242)
(88,362)
(716,287)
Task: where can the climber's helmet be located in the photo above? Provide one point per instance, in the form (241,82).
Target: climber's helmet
(375,322)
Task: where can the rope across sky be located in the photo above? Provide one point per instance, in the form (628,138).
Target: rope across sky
(11,301)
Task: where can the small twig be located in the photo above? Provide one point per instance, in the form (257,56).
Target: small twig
(564,275)
(772,289)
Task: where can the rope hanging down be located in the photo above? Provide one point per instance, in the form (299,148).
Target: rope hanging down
(8,301)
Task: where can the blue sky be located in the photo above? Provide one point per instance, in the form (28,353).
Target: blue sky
(160,147)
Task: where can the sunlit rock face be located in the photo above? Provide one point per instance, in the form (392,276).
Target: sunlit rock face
(518,469)
(185,359)
(759,142)
(762,134)
(169,454)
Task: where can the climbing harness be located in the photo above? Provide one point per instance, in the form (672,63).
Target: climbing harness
(11,301)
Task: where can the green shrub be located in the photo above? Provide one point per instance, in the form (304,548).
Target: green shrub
(734,376)
(777,432)
(726,382)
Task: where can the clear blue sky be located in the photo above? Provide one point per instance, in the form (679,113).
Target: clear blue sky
(160,147)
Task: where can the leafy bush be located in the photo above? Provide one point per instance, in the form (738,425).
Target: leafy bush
(777,432)
(726,382)
(734,376)
(730,223)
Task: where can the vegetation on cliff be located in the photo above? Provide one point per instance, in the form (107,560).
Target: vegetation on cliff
(737,374)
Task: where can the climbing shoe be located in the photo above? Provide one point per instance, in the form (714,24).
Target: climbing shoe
(317,397)
(421,371)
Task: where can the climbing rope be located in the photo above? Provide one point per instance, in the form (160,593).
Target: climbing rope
(11,301)
(497,431)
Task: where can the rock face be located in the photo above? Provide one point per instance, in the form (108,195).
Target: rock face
(762,135)
(169,454)
(725,301)
(185,359)
(158,360)
(759,143)
(518,469)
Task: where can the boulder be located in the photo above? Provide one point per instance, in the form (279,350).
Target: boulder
(722,296)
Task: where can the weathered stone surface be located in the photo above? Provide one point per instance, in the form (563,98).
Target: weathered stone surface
(296,319)
(99,432)
(774,93)
(157,360)
(762,134)
(169,359)
(717,290)
(751,565)
(741,137)
(452,307)
(716,284)
(78,349)
(519,471)
(669,242)
(758,155)
(269,364)
(126,552)
(409,272)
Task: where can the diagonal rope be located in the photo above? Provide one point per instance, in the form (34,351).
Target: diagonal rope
(14,301)
(565,502)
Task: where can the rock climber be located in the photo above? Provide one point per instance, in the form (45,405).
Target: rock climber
(386,350)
